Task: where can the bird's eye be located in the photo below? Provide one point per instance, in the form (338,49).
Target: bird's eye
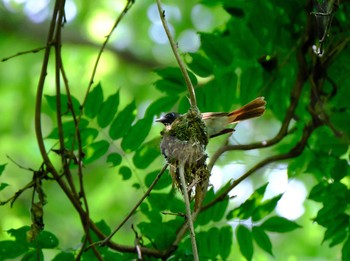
(171,115)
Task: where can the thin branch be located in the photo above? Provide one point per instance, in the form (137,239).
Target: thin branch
(155,181)
(128,5)
(292,153)
(188,210)
(35,50)
(177,56)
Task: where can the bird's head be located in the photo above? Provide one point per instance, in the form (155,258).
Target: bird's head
(168,118)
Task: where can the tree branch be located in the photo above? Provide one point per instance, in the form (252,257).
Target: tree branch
(177,56)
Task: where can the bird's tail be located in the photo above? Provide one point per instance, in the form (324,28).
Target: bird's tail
(253,109)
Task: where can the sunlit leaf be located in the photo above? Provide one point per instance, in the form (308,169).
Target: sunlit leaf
(121,124)
(279,224)
(262,239)
(96,150)
(94,101)
(87,136)
(245,241)
(108,110)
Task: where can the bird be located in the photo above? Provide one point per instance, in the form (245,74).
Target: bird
(216,122)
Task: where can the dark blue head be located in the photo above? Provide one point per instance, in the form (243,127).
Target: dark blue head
(168,118)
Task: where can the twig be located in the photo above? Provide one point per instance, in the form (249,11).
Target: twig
(188,210)
(128,5)
(294,152)
(155,181)
(177,56)
(22,53)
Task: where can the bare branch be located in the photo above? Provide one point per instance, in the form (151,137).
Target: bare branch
(177,56)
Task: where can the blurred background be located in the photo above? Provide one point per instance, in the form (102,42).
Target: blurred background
(137,47)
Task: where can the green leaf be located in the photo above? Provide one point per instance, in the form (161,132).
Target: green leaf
(165,201)
(125,172)
(11,249)
(262,239)
(3,185)
(345,252)
(318,192)
(217,49)
(108,110)
(114,158)
(68,129)
(103,227)
(136,135)
(94,101)
(251,80)
(171,88)
(172,81)
(52,101)
(123,121)
(20,234)
(87,136)
(225,239)
(64,256)
(279,224)
(200,65)
(163,104)
(33,255)
(247,209)
(146,154)
(96,150)
(45,239)
(163,182)
(339,170)
(2,168)
(337,229)
(245,241)
(265,208)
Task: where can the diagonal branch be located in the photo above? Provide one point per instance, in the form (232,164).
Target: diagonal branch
(177,56)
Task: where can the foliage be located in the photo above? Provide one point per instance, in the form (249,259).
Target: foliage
(263,49)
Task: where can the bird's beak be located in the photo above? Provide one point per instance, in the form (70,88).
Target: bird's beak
(160,120)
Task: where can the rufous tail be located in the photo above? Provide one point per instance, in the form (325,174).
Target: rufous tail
(253,109)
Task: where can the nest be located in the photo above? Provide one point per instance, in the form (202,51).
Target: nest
(184,142)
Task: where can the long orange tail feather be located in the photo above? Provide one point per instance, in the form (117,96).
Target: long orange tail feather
(253,109)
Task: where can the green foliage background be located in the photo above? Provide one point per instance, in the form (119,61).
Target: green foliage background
(247,49)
